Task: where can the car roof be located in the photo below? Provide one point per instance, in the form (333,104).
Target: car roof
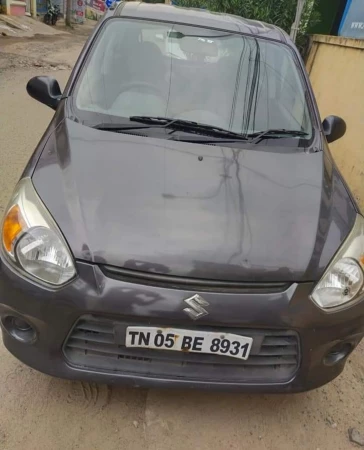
(200,17)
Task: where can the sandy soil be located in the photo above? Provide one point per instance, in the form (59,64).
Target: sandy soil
(42,413)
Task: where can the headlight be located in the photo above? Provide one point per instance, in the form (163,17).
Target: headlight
(32,241)
(343,281)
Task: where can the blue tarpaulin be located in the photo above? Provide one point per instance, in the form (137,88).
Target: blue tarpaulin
(352,23)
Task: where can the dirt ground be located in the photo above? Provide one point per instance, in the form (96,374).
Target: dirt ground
(42,413)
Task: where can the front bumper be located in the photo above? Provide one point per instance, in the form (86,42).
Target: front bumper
(55,313)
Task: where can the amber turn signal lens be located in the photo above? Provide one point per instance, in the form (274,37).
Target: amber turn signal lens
(13,225)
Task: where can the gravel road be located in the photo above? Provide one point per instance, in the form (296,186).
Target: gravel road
(42,413)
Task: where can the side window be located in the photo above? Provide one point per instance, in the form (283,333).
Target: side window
(89,92)
(292,101)
(102,70)
(155,36)
(111,50)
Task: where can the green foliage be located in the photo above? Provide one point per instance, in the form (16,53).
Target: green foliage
(278,12)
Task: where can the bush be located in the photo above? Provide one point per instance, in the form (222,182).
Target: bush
(279,12)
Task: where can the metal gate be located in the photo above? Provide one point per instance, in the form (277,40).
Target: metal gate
(42,6)
(78,9)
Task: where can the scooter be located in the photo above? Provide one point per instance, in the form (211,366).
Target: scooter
(51,16)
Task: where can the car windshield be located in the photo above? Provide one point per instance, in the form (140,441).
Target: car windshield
(240,83)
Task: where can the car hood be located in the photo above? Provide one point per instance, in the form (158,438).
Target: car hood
(201,211)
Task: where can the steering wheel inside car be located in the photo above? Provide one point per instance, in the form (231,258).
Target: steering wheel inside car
(139,99)
(142,86)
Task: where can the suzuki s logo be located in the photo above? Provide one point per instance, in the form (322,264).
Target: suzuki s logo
(196,310)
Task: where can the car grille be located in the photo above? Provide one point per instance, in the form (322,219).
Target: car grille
(98,344)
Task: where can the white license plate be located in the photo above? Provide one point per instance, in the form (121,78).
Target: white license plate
(224,344)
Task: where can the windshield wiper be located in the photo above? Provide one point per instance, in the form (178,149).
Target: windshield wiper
(189,126)
(197,128)
(274,134)
(175,124)
(119,127)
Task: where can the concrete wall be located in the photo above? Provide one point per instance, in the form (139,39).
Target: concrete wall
(336,68)
(17,8)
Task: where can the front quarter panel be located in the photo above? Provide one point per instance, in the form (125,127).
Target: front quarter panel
(54,123)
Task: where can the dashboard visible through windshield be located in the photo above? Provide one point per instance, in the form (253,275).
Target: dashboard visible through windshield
(239,83)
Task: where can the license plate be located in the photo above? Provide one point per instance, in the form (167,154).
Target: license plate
(224,344)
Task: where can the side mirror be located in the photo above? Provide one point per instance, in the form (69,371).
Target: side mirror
(334,128)
(46,90)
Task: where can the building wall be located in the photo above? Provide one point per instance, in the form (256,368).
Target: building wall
(336,69)
(14,7)
(17,9)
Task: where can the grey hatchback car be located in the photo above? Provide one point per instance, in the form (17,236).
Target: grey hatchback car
(182,222)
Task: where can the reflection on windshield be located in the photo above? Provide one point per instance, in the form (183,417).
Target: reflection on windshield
(239,83)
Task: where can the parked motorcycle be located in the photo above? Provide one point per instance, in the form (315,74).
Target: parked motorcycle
(52,14)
